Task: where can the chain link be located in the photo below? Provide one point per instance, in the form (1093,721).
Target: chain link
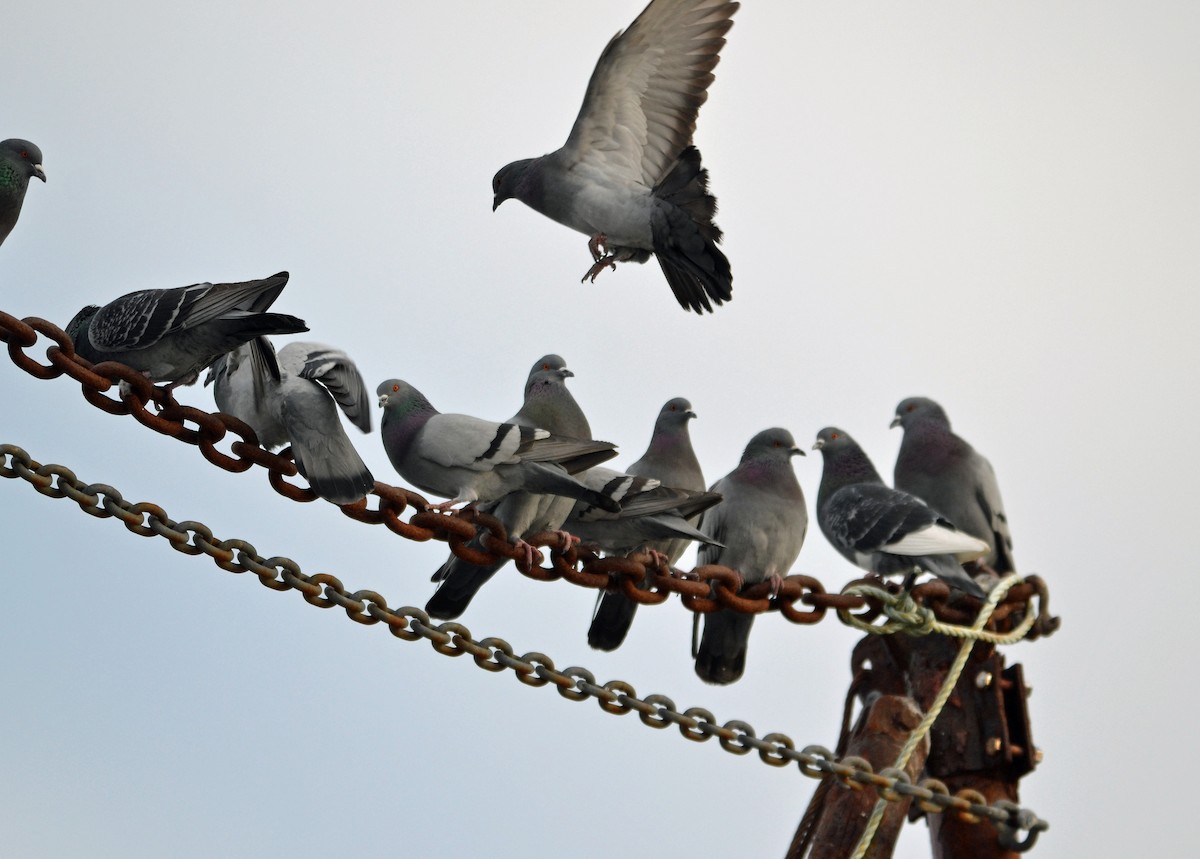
(801,599)
(494,654)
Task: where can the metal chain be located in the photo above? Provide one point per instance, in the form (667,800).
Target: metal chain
(801,599)
(1018,827)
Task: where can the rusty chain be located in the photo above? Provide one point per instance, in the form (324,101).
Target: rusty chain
(801,599)
(1018,827)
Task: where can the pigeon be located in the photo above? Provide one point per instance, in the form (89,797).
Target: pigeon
(950,476)
(20,160)
(885,530)
(628,175)
(548,405)
(762,523)
(470,459)
(671,460)
(293,399)
(173,334)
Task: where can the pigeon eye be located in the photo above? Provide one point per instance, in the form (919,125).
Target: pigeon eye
(910,407)
(25,154)
(395,389)
(833,435)
(545,366)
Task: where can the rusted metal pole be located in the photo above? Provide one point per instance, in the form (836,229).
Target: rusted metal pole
(881,732)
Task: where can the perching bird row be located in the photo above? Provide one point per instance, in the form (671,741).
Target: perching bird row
(541,470)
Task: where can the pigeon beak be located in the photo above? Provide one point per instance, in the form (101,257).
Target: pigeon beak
(565,373)
(795,451)
(383,400)
(496,201)
(689,414)
(895,422)
(820,443)
(39,172)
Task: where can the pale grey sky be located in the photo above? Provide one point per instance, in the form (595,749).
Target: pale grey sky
(993,204)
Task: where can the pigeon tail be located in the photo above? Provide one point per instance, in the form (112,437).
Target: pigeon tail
(460,582)
(611,623)
(721,657)
(685,237)
(250,325)
(336,473)
(552,480)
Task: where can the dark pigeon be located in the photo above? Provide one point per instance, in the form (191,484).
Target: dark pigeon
(762,523)
(469,459)
(547,404)
(293,399)
(671,460)
(628,176)
(884,530)
(173,334)
(952,477)
(20,161)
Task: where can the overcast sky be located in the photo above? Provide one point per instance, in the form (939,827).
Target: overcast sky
(993,204)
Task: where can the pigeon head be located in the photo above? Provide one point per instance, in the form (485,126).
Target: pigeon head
(549,371)
(513,180)
(918,408)
(400,399)
(675,413)
(772,444)
(24,157)
(831,440)
(80,321)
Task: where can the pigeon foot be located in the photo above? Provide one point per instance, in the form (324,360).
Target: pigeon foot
(595,243)
(602,263)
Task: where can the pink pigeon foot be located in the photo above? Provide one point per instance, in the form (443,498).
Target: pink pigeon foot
(604,262)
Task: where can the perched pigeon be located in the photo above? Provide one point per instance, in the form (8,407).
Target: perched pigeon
(293,400)
(952,477)
(628,175)
(762,523)
(884,530)
(470,459)
(671,460)
(548,405)
(19,161)
(173,334)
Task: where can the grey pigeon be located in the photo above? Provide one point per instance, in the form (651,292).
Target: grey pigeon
(950,476)
(20,161)
(671,460)
(628,175)
(173,334)
(293,400)
(884,530)
(762,523)
(547,404)
(470,459)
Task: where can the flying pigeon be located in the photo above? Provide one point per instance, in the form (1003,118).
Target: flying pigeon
(469,459)
(293,399)
(173,334)
(671,460)
(628,176)
(884,530)
(950,476)
(548,405)
(762,523)
(20,160)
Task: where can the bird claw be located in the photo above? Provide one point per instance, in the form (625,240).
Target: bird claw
(602,263)
(595,243)
(443,506)
(521,546)
(776,581)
